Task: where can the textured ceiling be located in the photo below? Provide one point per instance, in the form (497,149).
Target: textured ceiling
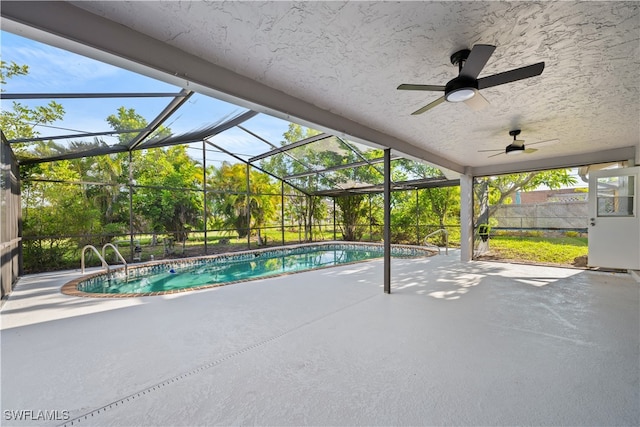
(348,59)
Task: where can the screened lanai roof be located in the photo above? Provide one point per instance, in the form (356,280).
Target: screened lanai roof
(213,130)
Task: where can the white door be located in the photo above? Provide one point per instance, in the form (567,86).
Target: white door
(614,223)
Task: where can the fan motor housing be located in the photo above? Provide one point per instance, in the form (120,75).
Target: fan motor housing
(514,149)
(460,83)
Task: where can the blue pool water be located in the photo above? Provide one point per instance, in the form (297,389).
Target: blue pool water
(203,272)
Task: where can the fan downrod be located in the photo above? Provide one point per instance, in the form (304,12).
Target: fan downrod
(459,58)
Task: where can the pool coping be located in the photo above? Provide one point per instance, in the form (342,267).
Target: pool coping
(71,288)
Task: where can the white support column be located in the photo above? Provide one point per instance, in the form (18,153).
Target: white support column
(466,218)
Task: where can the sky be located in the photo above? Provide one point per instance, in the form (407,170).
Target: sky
(53,70)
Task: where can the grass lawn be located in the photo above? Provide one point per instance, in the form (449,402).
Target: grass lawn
(547,250)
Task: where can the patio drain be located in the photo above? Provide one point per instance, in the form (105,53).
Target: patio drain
(120,402)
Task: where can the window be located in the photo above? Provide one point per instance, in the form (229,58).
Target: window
(615,196)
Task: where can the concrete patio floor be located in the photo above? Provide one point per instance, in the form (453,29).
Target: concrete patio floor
(477,343)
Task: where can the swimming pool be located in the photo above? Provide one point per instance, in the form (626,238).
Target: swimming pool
(217,270)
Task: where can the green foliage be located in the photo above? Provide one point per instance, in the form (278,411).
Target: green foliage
(404,216)
(439,206)
(11,70)
(60,213)
(308,209)
(128,119)
(20,121)
(294,161)
(352,209)
(110,199)
(46,211)
(332,152)
(445,205)
(167,198)
(355,214)
(168,194)
(238,209)
(493,191)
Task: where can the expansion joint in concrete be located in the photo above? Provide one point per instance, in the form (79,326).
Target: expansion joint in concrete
(156,387)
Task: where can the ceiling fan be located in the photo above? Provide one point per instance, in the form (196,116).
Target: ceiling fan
(465,88)
(517,146)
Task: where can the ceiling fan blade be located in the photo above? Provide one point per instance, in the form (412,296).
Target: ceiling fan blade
(429,106)
(496,154)
(486,151)
(511,76)
(431,88)
(477,102)
(476,60)
(542,142)
(530,150)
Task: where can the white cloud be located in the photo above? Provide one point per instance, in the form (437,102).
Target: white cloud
(54,70)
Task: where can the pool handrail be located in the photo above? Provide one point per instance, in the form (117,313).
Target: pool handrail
(104,248)
(446,239)
(104,263)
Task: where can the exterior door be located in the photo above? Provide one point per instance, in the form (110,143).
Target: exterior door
(614,223)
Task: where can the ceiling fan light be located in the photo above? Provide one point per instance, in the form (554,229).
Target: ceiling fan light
(512,150)
(460,95)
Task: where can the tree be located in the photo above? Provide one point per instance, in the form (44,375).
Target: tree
(47,210)
(168,194)
(46,207)
(240,210)
(21,121)
(167,199)
(493,191)
(440,205)
(352,209)
(110,198)
(308,208)
(11,70)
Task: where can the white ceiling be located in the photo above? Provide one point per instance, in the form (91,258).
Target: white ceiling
(336,65)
